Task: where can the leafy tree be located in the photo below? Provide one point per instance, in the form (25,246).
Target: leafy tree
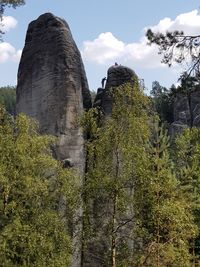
(32,230)
(109,178)
(140,210)
(8,98)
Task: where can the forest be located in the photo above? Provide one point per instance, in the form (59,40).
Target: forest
(144,186)
(138,203)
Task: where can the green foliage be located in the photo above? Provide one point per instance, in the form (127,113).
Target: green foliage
(163,102)
(163,99)
(8,98)
(164,219)
(132,187)
(32,231)
(187,159)
(109,177)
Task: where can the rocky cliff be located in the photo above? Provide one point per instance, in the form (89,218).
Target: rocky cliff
(53,89)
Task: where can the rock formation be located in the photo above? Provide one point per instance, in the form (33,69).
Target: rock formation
(116,76)
(97,252)
(52,85)
(186,111)
(53,89)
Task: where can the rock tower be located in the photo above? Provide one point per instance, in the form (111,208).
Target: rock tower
(52,85)
(52,88)
(116,76)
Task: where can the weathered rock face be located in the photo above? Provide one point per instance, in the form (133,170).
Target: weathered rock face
(52,85)
(116,76)
(186,112)
(53,89)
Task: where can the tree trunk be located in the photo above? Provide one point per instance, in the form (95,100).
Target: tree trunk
(113,246)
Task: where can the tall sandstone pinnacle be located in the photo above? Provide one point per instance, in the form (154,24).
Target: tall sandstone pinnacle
(52,88)
(52,85)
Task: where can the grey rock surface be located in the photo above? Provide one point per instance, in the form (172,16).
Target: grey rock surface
(181,109)
(117,75)
(52,85)
(52,88)
(195,107)
(186,111)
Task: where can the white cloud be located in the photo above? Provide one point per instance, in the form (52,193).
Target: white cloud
(7,23)
(8,52)
(188,22)
(106,48)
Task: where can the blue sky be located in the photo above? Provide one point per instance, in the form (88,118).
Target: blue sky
(105,31)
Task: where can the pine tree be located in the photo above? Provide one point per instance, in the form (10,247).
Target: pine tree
(187,160)
(165,222)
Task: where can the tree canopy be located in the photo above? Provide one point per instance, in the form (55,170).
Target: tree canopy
(32,230)
(8,98)
(130,178)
